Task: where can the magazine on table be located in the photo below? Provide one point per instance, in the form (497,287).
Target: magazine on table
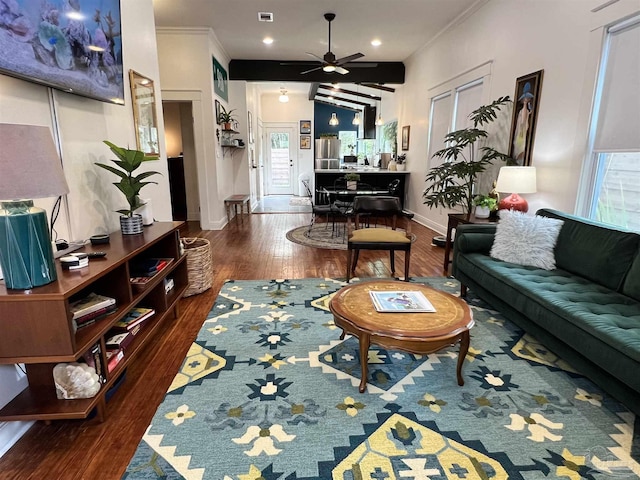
(404,301)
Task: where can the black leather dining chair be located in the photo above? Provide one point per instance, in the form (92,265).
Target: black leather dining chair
(365,234)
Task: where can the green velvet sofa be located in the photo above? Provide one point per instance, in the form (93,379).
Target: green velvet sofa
(587,310)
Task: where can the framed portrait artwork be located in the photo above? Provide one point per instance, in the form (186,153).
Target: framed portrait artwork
(525,111)
(220,80)
(217,103)
(305,126)
(305,142)
(405,137)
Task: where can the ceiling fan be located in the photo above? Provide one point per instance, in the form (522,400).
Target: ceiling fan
(329,63)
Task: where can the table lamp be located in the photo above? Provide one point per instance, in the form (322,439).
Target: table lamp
(31,168)
(517,180)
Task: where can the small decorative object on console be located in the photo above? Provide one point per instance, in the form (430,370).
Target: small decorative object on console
(75,380)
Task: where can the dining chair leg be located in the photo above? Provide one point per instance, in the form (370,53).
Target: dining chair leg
(392,260)
(349,253)
(355,261)
(407,258)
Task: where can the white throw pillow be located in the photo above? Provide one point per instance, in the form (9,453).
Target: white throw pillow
(526,240)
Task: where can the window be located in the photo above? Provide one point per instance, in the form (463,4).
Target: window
(348,142)
(451,113)
(610,192)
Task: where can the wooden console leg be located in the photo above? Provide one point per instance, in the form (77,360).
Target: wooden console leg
(364,360)
(463,291)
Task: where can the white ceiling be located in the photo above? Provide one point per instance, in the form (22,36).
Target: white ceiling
(403,26)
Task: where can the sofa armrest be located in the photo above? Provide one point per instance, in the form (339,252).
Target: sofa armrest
(474,238)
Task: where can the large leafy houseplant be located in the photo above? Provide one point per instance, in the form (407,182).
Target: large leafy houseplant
(451,183)
(130,185)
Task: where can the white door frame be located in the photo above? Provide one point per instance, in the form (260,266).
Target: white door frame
(293,152)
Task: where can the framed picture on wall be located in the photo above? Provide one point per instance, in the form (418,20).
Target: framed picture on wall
(220,80)
(525,112)
(405,137)
(217,112)
(305,142)
(305,126)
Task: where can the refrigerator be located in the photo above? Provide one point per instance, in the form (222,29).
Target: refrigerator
(327,153)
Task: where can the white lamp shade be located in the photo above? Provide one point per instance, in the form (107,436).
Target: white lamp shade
(517,180)
(29,163)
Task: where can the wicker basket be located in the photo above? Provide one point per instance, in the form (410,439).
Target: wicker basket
(199,265)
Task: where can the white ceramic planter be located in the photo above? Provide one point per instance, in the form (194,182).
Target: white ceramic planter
(482,212)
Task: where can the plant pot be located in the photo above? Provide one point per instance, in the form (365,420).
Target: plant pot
(400,167)
(226,126)
(482,212)
(131,225)
(352,184)
(393,166)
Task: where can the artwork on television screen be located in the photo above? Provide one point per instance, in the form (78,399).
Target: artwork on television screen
(74,46)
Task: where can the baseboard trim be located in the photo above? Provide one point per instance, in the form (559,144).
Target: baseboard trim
(10,433)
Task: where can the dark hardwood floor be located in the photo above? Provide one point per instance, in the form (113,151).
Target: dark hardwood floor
(254,249)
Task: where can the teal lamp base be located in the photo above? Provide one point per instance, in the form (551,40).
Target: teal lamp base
(26,255)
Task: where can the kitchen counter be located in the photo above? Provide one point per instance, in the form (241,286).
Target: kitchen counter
(361,170)
(378,179)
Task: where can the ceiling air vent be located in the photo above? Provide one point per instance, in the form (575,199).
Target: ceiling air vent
(265,17)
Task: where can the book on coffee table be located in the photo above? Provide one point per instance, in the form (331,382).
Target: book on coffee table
(409,301)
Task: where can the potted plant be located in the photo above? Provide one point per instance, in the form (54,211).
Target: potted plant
(401,161)
(226,119)
(130,185)
(451,183)
(484,205)
(352,180)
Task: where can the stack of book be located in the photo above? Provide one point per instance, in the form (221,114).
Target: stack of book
(91,308)
(123,333)
(143,270)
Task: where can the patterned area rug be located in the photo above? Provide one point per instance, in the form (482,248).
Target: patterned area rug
(268,391)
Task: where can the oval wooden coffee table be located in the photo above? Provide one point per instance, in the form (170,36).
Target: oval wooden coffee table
(419,333)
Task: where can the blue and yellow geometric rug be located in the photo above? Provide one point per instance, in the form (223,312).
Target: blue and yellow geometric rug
(268,391)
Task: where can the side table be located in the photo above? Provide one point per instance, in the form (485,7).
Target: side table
(456,219)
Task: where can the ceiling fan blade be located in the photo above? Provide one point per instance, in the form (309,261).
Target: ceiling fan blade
(315,56)
(341,71)
(298,64)
(360,64)
(309,71)
(350,58)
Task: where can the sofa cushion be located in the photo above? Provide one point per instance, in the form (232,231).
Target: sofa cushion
(526,240)
(631,285)
(598,253)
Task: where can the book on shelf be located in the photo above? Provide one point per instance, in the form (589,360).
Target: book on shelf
(92,357)
(148,267)
(93,317)
(89,304)
(409,301)
(113,358)
(119,340)
(133,318)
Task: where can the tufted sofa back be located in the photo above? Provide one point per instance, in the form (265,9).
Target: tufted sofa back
(598,252)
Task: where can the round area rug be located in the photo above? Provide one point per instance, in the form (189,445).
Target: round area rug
(321,236)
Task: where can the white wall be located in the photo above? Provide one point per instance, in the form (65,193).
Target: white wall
(299,107)
(84,124)
(519,38)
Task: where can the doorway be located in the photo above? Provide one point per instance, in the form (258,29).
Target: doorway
(181,158)
(280,167)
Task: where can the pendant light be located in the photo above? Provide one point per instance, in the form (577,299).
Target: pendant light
(356,119)
(283,98)
(379,121)
(333,120)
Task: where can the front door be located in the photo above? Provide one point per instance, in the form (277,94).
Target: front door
(280,168)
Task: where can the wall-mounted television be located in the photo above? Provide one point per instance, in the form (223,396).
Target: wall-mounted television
(70,45)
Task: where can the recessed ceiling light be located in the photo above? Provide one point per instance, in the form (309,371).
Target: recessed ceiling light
(375,42)
(267,40)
